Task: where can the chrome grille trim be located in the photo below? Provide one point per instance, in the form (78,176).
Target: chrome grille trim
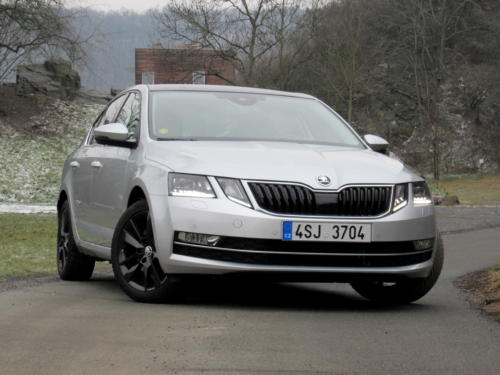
(298,252)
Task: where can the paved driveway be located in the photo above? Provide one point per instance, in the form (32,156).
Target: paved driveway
(93,328)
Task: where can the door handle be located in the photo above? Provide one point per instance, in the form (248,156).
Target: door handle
(74,164)
(96,164)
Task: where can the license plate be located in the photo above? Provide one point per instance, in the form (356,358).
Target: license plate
(332,232)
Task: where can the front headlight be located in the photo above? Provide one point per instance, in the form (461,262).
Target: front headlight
(400,197)
(421,194)
(189,185)
(234,191)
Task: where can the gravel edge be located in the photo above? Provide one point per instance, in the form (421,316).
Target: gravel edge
(29,281)
(20,282)
(471,287)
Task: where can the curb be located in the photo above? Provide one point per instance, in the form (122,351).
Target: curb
(27,208)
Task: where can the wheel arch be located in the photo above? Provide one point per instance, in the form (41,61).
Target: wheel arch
(136,194)
(63,197)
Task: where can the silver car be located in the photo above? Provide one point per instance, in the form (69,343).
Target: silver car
(173,181)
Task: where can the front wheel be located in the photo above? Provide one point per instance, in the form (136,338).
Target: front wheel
(405,291)
(135,260)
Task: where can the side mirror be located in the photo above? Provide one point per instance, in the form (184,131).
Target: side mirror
(111,132)
(376,143)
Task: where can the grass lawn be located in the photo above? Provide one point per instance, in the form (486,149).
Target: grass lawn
(27,244)
(470,189)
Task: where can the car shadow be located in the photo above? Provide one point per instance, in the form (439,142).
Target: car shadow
(286,296)
(244,294)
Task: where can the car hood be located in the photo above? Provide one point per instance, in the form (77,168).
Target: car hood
(280,161)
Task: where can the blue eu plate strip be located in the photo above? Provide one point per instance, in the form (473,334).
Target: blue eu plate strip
(287,230)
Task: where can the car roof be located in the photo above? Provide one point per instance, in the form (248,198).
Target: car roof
(220,88)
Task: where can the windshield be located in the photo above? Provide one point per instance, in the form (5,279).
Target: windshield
(199,115)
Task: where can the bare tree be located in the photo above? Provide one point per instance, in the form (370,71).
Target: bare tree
(427,35)
(293,28)
(341,59)
(34,26)
(241,31)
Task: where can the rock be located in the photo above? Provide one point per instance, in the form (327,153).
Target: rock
(86,95)
(437,200)
(64,73)
(57,79)
(449,200)
(54,78)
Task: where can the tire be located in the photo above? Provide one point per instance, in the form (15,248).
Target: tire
(71,263)
(134,258)
(406,291)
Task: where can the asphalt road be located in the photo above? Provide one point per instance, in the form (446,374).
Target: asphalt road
(93,328)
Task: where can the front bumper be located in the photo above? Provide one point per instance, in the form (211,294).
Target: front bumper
(225,218)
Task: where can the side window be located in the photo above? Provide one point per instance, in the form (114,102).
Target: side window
(130,114)
(107,116)
(112,110)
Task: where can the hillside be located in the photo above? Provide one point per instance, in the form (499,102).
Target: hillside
(36,135)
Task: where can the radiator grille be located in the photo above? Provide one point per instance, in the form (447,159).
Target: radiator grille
(299,200)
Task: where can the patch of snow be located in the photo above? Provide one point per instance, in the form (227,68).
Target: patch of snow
(31,163)
(26,208)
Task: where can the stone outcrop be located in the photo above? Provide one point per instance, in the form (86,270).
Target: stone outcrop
(57,79)
(54,78)
(447,200)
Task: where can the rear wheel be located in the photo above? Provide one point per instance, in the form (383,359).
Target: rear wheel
(405,291)
(135,259)
(71,264)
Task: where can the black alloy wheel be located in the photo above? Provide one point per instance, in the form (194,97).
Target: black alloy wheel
(135,259)
(63,240)
(71,263)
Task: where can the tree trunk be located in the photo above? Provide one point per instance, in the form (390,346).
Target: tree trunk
(435,152)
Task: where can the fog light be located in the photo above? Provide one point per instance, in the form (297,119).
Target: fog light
(198,238)
(423,244)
